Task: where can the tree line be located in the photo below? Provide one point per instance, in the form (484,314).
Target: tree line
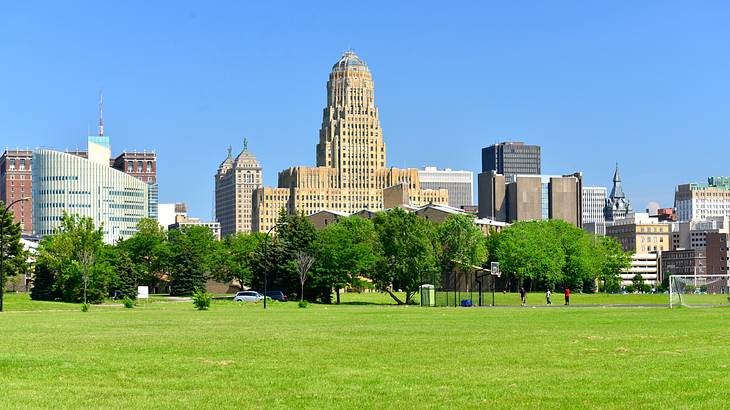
(394,251)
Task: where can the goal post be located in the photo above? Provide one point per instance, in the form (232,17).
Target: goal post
(699,290)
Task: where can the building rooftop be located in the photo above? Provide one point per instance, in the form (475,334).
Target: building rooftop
(350,62)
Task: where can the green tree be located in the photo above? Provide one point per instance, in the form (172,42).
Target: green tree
(462,243)
(408,252)
(127,276)
(295,233)
(70,264)
(638,281)
(528,251)
(15,258)
(612,260)
(346,252)
(193,250)
(237,258)
(149,251)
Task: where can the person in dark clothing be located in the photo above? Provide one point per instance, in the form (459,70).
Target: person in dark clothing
(567,296)
(523,296)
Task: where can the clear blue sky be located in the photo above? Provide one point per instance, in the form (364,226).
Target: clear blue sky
(643,83)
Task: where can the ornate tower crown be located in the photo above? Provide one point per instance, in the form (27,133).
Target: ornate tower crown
(350,62)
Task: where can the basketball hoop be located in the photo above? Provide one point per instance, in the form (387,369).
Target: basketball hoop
(494,269)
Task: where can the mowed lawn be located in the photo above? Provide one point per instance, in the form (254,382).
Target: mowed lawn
(168,355)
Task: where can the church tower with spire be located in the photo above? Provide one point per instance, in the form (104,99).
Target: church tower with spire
(617,206)
(236,180)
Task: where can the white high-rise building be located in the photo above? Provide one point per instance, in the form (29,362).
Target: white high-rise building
(594,201)
(86,185)
(700,201)
(64,182)
(460,184)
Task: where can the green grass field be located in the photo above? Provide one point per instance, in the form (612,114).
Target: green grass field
(366,354)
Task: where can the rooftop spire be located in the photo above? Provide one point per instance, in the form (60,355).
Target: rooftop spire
(101,112)
(230,149)
(245,144)
(617,191)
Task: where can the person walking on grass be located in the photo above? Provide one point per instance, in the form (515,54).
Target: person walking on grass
(547,297)
(567,296)
(523,296)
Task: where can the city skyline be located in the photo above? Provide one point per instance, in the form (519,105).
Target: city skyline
(647,94)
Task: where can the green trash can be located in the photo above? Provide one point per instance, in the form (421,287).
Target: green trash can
(428,295)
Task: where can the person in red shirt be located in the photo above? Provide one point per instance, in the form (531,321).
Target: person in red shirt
(567,296)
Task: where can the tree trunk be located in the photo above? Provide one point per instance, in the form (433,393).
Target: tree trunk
(301,295)
(337,292)
(392,295)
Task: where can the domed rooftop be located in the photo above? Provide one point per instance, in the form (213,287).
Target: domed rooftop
(350,62)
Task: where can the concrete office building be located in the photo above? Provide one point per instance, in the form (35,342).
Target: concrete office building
(459,184)
(235,183)
(511,158)
(531,197)
(89,187)
(16,183)
(700,201)
(351,171)
(594,202)
(617,205)
(693,234)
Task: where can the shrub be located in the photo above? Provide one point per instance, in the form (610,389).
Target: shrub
(630,288)
(303,304)
(128,302)
(84,307)
(201,299)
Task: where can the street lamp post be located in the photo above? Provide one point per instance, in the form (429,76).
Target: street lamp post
(2,249)
(266,270)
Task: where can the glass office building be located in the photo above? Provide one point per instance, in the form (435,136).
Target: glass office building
(63,182)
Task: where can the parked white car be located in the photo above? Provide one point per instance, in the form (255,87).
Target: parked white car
(248,296)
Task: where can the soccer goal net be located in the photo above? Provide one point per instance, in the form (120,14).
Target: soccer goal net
(699,290)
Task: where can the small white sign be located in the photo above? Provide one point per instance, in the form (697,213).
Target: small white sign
(143,292)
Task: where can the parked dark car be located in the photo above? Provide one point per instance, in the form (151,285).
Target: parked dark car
(277,295)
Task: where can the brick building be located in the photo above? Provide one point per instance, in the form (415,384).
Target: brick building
(16,183)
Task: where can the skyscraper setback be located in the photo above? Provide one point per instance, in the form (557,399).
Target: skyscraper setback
(351,170)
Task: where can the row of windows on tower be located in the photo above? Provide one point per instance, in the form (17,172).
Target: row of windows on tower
(140,166)
(20,164)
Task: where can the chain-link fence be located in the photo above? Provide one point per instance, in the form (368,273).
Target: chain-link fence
(458,289)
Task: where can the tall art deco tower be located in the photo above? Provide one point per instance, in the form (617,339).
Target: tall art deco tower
(351,173)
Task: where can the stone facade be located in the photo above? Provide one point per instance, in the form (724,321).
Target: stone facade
(351,173)
(235,183)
